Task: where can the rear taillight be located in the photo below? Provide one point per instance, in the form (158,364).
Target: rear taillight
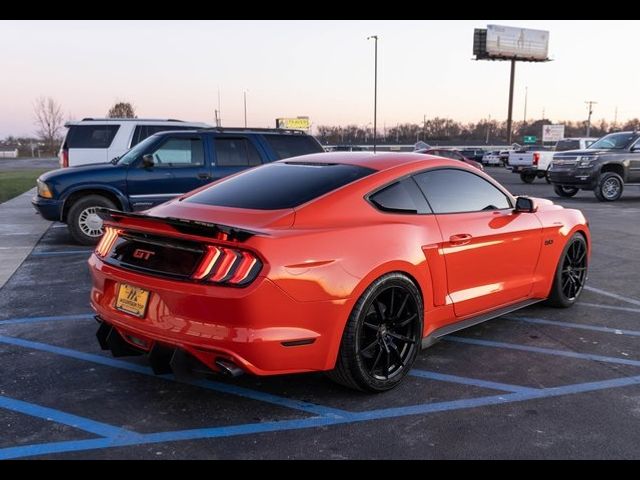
(536,158)
(107,241)
(64,158)
(228,266)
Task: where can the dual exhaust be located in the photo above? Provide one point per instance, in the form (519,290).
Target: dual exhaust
(163,359)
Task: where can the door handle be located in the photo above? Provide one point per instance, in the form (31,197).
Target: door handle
(204,176)
(460,239)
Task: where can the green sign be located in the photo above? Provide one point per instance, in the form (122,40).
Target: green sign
(530,139)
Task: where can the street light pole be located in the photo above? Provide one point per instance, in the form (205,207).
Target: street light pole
(526,94)
(375,91)
(245,109)
(590,103)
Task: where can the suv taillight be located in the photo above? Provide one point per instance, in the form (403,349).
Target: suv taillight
(107,241)
(536,158)
(228,266)
(64,158)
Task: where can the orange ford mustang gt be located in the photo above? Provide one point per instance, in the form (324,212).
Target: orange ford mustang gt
(348,263)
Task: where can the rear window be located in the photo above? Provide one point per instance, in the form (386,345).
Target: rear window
(286,146)
(279,185)
(564,145)
(91,136)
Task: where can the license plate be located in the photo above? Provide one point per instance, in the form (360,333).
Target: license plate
(132,300)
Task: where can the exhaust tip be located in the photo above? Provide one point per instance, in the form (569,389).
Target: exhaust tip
(228,368)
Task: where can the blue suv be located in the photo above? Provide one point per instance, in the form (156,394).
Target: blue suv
(159,168)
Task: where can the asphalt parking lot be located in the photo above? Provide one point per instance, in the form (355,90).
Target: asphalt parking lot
(539,383)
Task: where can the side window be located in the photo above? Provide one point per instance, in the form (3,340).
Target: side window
(139,134)
(456,191)
(403,196)
(179,152)
(236,152)
(286,146)
(91,136)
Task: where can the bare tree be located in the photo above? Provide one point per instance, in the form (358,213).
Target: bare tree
(49,121)
(122,110)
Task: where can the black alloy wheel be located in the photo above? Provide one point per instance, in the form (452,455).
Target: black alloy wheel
(382,337)
(571,273)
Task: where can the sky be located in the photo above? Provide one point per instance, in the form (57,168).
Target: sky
(322,69)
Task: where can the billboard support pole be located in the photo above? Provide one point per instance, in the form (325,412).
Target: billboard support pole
(510,116)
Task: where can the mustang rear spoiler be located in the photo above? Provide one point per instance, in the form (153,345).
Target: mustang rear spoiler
(190,227)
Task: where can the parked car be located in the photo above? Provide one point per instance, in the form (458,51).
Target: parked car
(606,167)
(475,154)
(530,162)
(338,262)
(161,167)
(96,140)
(492,158)
(453,154)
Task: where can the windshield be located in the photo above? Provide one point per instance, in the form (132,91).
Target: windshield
(133,153)
(613,141)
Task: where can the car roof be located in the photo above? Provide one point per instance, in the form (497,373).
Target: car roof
(262,131)
(93,121)
(376,161)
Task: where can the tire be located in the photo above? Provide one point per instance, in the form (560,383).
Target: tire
(565,292)
(367,341)
(609,188)
(528,177)
(546,175)
(565,192)
(82,225)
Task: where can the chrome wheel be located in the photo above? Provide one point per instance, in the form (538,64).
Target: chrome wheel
(611,188)
(90,223)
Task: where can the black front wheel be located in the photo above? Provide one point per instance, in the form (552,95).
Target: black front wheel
(565,192)
(382,336)
(571,273)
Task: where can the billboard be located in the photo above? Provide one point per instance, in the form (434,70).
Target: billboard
(297,123)
(552,133)
(512,42)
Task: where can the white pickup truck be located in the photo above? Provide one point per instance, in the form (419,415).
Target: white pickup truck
(534,162)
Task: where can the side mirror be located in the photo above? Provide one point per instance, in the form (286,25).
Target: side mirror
(147,160)
(525,205)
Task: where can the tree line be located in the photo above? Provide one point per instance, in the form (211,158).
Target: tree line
(447,131)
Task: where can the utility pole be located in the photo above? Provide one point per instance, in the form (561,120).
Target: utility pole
(590,103)
(424,127)
(488,129)
(219,121)
(510,117)
(526,94)
(245,109)
(375,91)
(615,118)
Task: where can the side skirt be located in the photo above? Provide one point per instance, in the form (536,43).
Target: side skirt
(470,322)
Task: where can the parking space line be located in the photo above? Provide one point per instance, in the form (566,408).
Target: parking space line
(547,351)
(61,252)
(632,301)
(540,321)
(469,381)
(209,384)
(610,307)
(313,422)
(14,321)
(53,415)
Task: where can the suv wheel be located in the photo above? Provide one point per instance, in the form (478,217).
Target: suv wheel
(609,188)
(528,177)
(565,192)
(382,337)
(84,224)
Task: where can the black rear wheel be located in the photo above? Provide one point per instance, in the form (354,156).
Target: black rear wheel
(382,336)
(571,273)
(528,177)
(565,192)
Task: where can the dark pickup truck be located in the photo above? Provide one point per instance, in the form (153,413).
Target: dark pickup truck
(163,166)
(605,167)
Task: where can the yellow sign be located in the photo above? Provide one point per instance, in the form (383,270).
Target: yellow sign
(298,123)
(132,300)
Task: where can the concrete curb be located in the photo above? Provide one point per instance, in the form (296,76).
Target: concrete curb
(20,230)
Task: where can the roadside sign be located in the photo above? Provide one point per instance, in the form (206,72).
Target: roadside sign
(552,133)
(529,139)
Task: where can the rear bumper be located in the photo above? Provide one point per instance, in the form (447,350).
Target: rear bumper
(49,209)
(259,328)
